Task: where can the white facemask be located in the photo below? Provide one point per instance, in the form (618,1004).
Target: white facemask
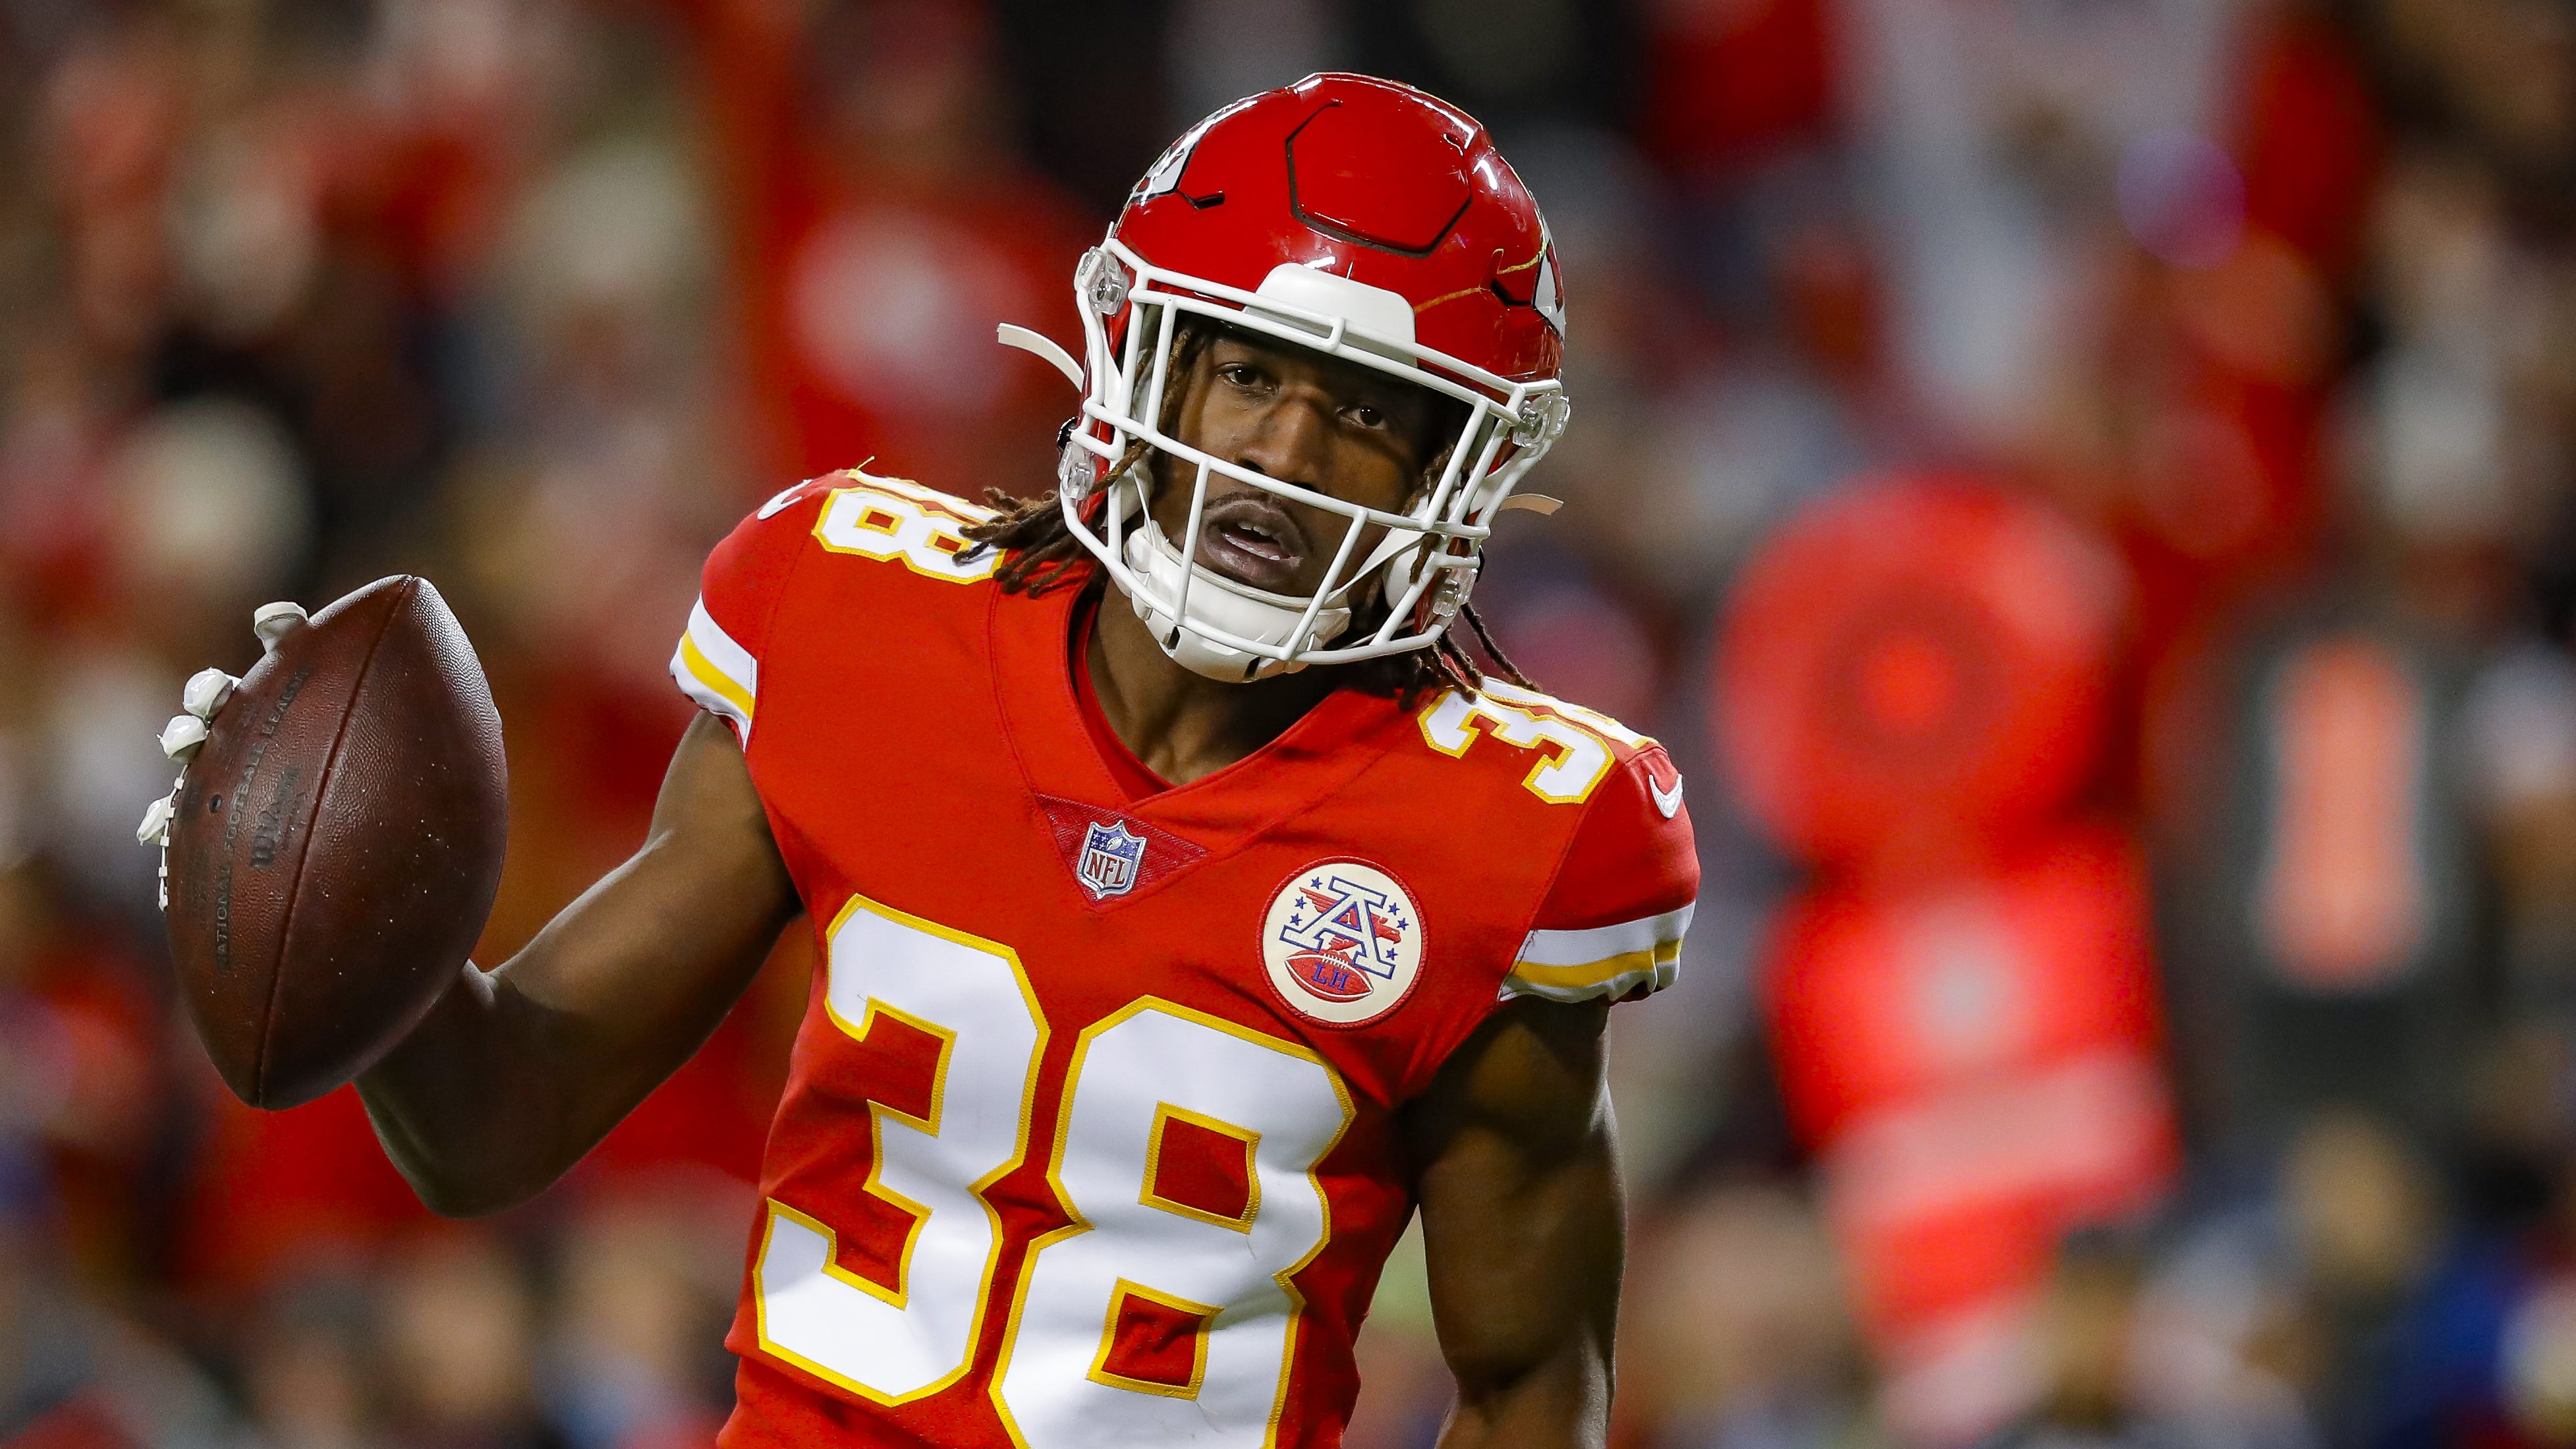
(1239,609)
(1425,558)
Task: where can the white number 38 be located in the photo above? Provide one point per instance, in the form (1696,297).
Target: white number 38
(1203,1285)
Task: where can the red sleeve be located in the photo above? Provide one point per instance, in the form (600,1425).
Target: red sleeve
(1612,922)
(717,663)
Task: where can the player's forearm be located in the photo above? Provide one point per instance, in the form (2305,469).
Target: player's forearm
(1524,1227)
(1532,1355)
(1562,1402)
(451,1073)
(497,1094)
(517,1072)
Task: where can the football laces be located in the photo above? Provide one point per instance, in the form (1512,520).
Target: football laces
(200,700)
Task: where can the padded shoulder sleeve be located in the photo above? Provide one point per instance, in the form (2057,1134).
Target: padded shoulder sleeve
(1612,923)
(717,663)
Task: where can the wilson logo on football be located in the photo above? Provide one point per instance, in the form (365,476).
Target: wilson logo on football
(1343,943)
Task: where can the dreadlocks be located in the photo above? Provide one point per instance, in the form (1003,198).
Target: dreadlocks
(1041,554)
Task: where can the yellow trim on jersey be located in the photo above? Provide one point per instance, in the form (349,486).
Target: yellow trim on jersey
(831,1269)
(705,672)
(1118,1296)
(719,675)
(896,520)
(1610,961)
(1573,758)
(874,1185)
(1151,1197)
(1076,1224)
(978,1188)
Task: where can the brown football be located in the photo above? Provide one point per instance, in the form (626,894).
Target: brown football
(337,842)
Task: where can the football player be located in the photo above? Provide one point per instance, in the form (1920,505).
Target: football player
(1190,909)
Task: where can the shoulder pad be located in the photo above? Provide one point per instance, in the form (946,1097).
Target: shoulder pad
(895,520)
(1576,748)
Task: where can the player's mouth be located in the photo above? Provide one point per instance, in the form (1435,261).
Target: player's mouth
(1250,539)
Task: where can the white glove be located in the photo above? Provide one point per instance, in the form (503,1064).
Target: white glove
(207,692)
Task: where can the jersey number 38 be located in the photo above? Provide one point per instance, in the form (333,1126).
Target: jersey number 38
(1158,1313)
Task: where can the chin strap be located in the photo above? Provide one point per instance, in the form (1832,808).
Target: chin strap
(1238,609)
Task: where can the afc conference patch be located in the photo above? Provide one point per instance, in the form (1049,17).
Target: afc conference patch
(1343,943)
(1111,857)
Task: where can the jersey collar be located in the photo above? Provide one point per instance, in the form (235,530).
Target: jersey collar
(1341,736)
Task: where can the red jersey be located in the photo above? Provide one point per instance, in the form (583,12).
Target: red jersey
(1089,1136)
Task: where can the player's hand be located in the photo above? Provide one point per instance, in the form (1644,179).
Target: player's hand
(207,692)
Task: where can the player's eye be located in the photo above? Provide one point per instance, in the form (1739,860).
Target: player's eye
(1242,374)
(1365,416)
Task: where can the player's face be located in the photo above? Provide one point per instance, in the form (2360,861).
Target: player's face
(1295,415)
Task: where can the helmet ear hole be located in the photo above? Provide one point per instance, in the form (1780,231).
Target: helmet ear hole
(1443,594)
(1079,472)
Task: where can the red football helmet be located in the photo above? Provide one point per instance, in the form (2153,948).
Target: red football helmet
(1370,222)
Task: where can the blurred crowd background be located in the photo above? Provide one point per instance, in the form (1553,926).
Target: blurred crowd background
(2086,489)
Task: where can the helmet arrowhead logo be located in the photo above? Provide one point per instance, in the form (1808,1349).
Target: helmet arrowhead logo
(1545,297)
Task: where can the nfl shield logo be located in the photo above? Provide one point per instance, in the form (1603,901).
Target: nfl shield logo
(1111,854)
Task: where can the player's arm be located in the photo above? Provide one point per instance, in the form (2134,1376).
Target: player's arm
(518,1071)
(1523,1224)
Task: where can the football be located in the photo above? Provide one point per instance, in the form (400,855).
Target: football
(336,845)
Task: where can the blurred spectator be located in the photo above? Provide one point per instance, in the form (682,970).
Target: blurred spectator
(634,1357)
(71,1375)
(1735,1334)
(2327,930)
(2329,1301)
(307,1374)
(459,1326)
